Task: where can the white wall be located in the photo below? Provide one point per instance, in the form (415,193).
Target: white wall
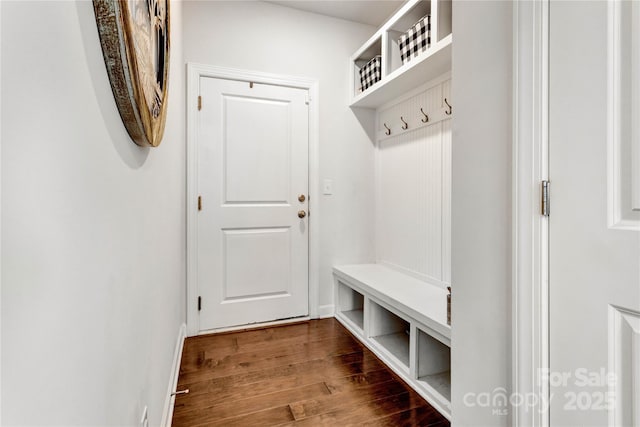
(264,37)
(481,206)
(93,229)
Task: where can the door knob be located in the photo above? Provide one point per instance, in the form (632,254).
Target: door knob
(302,214)
(301,198)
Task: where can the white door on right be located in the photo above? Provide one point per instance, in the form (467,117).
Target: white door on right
(594,265)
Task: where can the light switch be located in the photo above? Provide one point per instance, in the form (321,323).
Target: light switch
(327,187)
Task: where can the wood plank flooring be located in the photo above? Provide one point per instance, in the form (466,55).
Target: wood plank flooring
(305,374)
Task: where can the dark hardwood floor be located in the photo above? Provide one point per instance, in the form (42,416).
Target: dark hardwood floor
(305,374)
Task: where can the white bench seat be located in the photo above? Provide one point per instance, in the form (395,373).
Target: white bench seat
(424,302)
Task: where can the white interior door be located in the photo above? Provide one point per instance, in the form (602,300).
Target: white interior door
(594,265)
(253,180)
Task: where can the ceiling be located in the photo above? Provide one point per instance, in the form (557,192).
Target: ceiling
(372,12)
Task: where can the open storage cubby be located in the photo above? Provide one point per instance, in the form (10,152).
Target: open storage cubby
(403,321)
(351,305)
(398,78)
(399,27)
(443,20)
(366,53)
(433,368)
(391,332)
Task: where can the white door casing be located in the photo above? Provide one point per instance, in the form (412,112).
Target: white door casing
(248,251)
(530,231)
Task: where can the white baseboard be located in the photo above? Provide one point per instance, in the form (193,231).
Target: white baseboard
(325,311)
(167,413)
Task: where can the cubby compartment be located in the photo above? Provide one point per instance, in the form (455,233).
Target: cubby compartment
(390,332)
(443,19)
(433,367)
(351,305)
(400,26)
(369,51)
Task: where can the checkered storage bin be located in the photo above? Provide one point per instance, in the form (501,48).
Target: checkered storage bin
(371,72)
(416,39)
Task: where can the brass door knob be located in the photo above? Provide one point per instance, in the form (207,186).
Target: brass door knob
(301,198)
(302,214)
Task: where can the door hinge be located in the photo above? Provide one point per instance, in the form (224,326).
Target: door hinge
(307,99)
(545,199)
(199,102)
(199,203)
(199,303)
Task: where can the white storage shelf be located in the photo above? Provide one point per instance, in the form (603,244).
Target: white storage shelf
(391,332)
(351,306)
(396,77)
(433,367)
(403,320)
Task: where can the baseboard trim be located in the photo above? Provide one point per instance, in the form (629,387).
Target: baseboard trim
(167,413)
(326,311)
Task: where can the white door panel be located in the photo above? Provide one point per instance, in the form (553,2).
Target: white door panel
(593,268)
(625,365)
(634,16)
(250,270)
(252,166)
(245,150)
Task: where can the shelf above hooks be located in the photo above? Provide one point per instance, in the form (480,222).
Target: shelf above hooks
(398,76)
(434,62)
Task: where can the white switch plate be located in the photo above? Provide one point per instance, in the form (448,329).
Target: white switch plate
(327,187)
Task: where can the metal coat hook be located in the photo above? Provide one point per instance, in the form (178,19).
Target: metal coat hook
(405,124)
(426,118)
(388,131)
(448,113)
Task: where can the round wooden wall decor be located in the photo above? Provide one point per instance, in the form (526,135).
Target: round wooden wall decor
(134,35)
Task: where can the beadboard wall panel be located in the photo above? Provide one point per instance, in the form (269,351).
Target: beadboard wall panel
(413,182)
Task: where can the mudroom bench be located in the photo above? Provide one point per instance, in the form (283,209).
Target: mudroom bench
(403,320)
